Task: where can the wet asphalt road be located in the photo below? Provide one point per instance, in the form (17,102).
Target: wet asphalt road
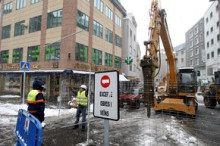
(206,125)
(133,129)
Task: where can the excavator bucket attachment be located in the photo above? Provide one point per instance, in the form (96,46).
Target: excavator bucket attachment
(148,73)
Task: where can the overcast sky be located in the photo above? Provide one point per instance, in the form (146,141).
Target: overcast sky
(181,16)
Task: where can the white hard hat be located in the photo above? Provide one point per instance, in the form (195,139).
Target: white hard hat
(83,86)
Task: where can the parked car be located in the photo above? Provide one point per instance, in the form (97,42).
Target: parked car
(131,98)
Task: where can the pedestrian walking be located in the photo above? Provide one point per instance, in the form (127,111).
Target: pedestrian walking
(36,101)
(82,102)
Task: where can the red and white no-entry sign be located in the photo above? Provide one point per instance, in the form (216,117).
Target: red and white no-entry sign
(105,81)
(106,95)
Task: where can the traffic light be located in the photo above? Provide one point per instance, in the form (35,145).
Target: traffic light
(128,60)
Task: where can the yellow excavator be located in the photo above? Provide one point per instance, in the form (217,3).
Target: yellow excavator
(181,83)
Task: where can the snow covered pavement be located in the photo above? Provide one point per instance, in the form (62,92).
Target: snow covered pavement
(133,128)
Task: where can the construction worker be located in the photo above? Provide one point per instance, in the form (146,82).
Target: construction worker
(82,102)
(36,101)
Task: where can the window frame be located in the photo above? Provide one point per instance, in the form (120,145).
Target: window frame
(56,21)
(83,21)
(19,28)
(117,62)
(34,24)
(17,56)
(33,51)
(7,8)
(52,51)
(108,60)
(20,4)
(96,56)
(108,35)
(81,52)
(6,31)
(4,58)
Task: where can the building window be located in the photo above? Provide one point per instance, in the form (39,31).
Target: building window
(196,30)
(217,24)
(212,54)
(130,37)
(117,40)
(21,4)
(216,8)
(182,52)
(97,29)
(191,54)
(191,43)
(35,24)
(207,44)
(81,52)
(207,20)
(52,51)
(7,8)
(6,30)
(130,67)
(117,62)
(212,41)
(33,53)
(208,56)
(4,55)
(117,20)
(19,28)
(207,33)
(35,1)
(99,5)
(109,13)
(54,19)
(108,59)
(97,57)
(182,60)
(108,35)
(17,55)
(176,54)
(191,34)
(197,41)
(197,51)
(218,51)
(218,38)
(211,15)
(211,29)
(82,20)
(191,62)
(197,61)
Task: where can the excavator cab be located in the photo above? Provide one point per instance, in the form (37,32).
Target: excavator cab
(187,81)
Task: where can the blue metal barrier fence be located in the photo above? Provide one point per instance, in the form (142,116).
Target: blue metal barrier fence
(28,129)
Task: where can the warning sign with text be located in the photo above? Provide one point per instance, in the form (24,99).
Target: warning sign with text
(106,95)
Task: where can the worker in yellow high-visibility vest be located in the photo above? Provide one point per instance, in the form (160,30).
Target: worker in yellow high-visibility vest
(36,101)
(82,102)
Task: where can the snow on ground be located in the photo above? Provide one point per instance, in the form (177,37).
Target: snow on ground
(9,112)
(166,131)
(10,96)
(159,130)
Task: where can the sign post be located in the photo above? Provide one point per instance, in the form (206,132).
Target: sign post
(24,66)
(106,99)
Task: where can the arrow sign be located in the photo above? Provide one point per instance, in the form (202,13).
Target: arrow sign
(25,66)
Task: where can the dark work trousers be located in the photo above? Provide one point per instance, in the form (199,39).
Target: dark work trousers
(81,109)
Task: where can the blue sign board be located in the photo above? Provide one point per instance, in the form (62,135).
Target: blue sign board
(28,129)
(25,66)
